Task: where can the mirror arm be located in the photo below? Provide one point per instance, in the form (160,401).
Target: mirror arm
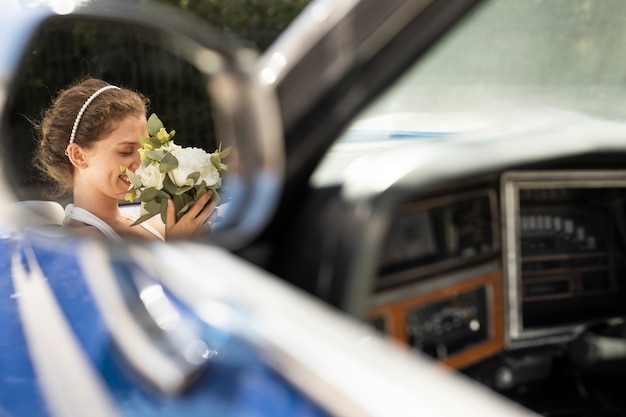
(160,343)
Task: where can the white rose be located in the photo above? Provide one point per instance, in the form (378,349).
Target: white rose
(170,147)
(151,176)
(210,174)
(192,160)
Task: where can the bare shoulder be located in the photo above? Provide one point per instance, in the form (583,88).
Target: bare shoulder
(157,223)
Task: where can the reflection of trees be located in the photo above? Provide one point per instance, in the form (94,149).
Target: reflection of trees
(64,52)
(256,21)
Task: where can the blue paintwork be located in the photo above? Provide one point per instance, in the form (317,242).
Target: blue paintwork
(237,382)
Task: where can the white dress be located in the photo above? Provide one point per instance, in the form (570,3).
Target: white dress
(84,216)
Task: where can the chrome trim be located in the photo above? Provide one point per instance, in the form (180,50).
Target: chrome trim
(162,346)
(317,20)
(344,365)
(512,286)
(511,182)
(313,22)
(328,36)
(248,112)
(427,285)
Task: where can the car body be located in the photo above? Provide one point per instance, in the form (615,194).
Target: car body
(412,226)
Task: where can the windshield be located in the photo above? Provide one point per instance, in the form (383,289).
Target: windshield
(509,57)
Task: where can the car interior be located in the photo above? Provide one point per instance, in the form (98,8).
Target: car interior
(484,225)
(513,277)
(475,213)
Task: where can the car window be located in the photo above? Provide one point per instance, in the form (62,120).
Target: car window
(506,61)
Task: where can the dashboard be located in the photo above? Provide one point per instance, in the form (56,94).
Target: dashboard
(500,254)
(501,259)
(524,262)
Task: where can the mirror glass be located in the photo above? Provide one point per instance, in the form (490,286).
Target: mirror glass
(66,49)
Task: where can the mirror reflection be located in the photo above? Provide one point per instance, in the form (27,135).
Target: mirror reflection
(85,148)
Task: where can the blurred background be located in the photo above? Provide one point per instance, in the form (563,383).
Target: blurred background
(64,53)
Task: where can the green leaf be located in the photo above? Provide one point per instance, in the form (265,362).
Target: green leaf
(215,159)
(215,196)
(183,200)
(183,210)
(224,153)
(143,140)
(178,202)
(181,205)
(154,124)
(168,163)
(200,189)
(218,155)
(143,218)
(162,195)
(189,197)
(168,186)
(148,194)
(155,155)
(182,190)
(194,177)
(153,207)
(163,210)
(149,142)
(134,178)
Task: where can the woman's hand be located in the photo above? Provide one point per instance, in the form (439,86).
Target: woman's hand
(194,221)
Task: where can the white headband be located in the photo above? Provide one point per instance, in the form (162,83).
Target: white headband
(82,109)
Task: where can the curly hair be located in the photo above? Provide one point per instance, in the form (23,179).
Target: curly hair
(99,119)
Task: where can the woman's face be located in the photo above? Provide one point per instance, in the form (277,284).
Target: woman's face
(119,148)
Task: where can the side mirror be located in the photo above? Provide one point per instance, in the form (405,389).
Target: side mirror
(200,83)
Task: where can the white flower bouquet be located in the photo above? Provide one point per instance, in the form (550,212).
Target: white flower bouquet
(168,170)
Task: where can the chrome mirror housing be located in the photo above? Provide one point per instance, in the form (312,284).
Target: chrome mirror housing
(198,81)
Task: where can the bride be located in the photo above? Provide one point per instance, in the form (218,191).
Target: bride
(89,131)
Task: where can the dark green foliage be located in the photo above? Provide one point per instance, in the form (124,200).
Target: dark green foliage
(255,21)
